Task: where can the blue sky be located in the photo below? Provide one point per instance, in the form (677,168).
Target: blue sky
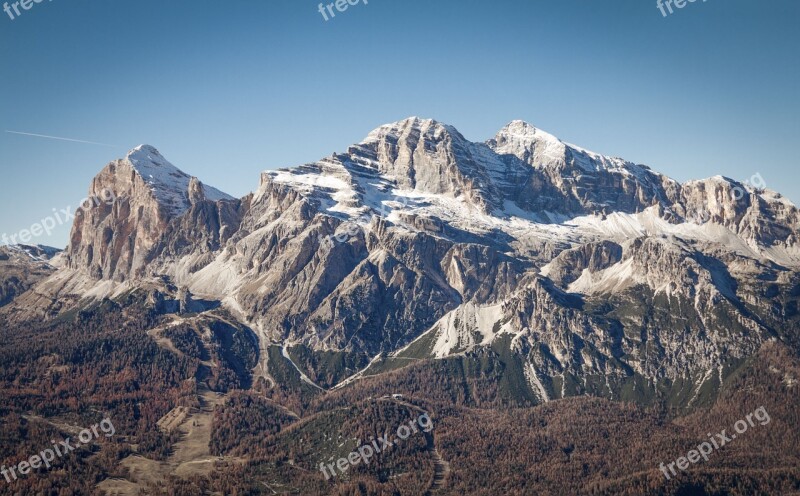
(227,89)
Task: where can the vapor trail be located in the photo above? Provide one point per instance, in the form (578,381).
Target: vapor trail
(57,138)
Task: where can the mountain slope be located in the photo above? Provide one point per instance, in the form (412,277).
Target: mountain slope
(22,266)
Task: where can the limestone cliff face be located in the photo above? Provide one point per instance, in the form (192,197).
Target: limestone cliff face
(757,216)
(570,264)
(430,157)
(112,241)
(131,203)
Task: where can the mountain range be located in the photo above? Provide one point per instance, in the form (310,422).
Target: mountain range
(523,264)
(594,273)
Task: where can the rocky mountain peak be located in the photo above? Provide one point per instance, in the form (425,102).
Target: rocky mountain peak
(114,239)
(430,128)
(529,144)
(170,185)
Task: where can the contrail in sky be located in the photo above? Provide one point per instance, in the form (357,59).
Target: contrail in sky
(57,138)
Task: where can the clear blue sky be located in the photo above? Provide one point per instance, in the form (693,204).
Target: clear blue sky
(226,89)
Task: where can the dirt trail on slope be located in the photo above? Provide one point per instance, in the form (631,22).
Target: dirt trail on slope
(190,456)
(441,467)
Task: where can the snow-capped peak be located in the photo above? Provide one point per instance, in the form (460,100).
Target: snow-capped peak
(529,144)
(169,184)
(522,131)
(154,168)
(544,150)
(430,127)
